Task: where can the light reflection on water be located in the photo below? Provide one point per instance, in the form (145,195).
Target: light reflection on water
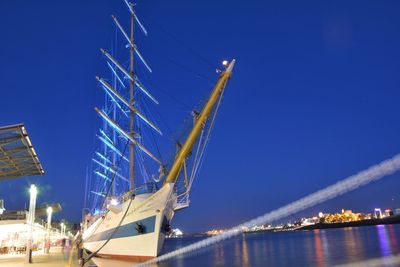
(393,239)
(319,251)
(383,240)
(301,248)
(353,250)
(245,254)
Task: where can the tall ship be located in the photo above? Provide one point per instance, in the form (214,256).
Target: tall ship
(131,193)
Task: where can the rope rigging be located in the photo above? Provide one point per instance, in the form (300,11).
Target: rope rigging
(115,174)
(120,78)
(199,155)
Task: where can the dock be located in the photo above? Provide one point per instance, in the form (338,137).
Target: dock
(56,258)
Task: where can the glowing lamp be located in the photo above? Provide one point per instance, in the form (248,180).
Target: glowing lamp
(49,213)
(114,202)
(33,190)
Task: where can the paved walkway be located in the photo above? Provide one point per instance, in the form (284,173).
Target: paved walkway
(58,259)
(55,259)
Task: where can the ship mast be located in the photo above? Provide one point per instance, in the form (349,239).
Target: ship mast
(201,120)
(131,102)
(118,99)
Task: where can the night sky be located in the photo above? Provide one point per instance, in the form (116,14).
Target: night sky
(313,99)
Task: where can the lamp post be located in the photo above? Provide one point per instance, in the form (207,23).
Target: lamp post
(62,229)
(49,213)
(48,241)
(31,221)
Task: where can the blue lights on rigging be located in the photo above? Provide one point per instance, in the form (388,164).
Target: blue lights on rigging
(110,169)
(102,176)
(127,74)
(126,103)
(114,137)
(105,167)
(112,147)
(136,18)
(115,101)
(128,136)
(103,157)
(145,91)
(98,194)
(142,59)
(116,75)
(106,136)
(140,24)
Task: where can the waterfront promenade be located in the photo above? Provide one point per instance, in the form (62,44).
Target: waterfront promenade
(55,259)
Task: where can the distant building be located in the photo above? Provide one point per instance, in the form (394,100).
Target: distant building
(349,212)
(220,231)
(344,216)
(388,213)
(175,233)
(377,213)
(309,221)
(397,211)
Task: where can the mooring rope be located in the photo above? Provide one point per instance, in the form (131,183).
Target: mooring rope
(353,182)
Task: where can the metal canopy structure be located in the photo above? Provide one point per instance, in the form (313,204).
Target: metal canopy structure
(17,155)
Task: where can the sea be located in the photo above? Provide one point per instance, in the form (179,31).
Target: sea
(358,246)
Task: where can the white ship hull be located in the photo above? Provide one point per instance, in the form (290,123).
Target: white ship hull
(125,240)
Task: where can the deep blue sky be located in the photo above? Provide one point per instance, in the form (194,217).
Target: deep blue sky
(314,97)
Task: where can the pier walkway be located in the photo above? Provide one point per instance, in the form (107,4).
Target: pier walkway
(55,259)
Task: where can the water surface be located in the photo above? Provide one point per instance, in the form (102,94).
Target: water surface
(297,248)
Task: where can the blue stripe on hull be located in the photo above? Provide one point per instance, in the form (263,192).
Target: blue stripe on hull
(126,230)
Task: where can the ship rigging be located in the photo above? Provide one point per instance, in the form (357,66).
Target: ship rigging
(127,220)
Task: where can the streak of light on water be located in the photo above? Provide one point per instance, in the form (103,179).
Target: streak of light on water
(353,182)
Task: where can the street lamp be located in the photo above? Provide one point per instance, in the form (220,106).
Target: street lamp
(49,213)
(62,230)
(30,221)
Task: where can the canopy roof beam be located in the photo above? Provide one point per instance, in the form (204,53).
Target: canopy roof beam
(17,155)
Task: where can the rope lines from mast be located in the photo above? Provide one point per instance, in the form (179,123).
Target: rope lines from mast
(120,79)
(186,46)
(206,141)
(115,174)
(200,152)
(159,89)
(190,70)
